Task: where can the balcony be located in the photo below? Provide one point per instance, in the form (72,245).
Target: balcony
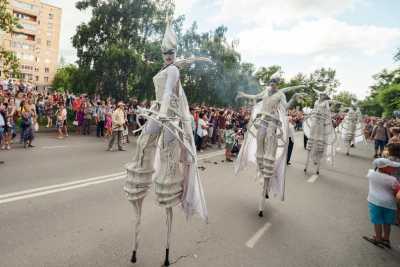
(28,27)
(25,7)
(22,16)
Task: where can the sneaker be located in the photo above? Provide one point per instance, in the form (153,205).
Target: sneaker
(8,147)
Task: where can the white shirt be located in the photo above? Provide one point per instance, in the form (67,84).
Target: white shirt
(381,189)
(200,124)
(64,114)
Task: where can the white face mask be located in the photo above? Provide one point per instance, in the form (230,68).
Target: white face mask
(169,59)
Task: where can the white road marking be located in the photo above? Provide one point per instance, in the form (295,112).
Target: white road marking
(46,190)
(254,239)
(313,178)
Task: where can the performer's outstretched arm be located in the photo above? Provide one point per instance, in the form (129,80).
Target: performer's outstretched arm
(295,97)
(251,97)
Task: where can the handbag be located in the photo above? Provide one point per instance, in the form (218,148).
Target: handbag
(75,123)
(36,127)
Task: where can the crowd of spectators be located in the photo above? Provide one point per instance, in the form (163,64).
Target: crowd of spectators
(218,127)
(381,132)
(25,109)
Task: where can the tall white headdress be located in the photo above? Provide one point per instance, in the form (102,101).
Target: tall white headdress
(169,43)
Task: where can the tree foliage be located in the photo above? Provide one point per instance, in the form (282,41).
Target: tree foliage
(119,54)
(348,99)
(8,23)
(119,40)
(384,97)
(389,97)
(73,79)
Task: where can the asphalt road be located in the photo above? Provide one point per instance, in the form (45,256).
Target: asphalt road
(61,204)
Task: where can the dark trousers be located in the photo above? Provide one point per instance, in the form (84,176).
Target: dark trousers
(100,129)
(118,135)
(86,127)
(290,149)
(199,142)
(305,141)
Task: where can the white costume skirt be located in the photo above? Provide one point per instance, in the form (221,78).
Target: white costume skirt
(168,179)
(317,149)
(267,144)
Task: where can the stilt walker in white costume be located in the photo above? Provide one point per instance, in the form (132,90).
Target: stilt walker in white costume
(166,153)
(266,140)
(321,135)
(351,129)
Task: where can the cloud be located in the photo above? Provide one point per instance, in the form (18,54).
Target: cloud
(279,12)
(183,7)
(317,36)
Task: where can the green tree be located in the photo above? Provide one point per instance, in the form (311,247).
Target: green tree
(323,80)
(265,74)
(384,79)
(114,44)
(8,23)
(384,95)
(63,78)
(347,98)
(73,79)
(389,99)
(371,107)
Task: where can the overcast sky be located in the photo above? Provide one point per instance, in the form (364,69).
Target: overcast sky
(356,37)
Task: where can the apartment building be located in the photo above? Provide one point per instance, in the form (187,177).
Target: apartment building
(36,44)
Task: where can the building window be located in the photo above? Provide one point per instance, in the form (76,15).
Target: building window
(48,43)
(51,16)
(30,37)
(46,79)
(25,16)
(36,69)
(37,78)
(47,70)
(22,5)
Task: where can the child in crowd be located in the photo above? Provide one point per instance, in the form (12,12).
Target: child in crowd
(60,124)
(382,201)
(229,137)
(108,123)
